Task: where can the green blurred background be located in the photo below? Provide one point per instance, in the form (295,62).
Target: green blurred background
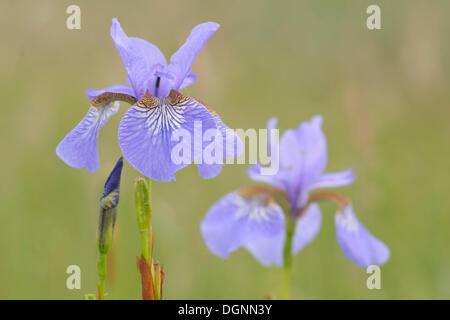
(383,95)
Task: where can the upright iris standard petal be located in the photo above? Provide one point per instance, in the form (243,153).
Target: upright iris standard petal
(281,178)
(307,227)
(357,243)
(141,59)
(147,131)
(190,79)
(333,180)
(313,145)
(310,158)
(302,158)
(182,60)
(254,222)
(304,150)
(79,148)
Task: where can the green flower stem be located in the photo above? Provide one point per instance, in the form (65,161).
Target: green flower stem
(143,202)
(287,258)
(101,270)
(150,235)
(145,244)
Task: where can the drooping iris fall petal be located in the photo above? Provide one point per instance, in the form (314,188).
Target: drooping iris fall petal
(356,242)
(256,223)
(146,135)
(79,148)
(307,227)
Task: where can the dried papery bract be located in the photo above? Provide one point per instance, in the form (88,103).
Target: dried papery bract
(148,287)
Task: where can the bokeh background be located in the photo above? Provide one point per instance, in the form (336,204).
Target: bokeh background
(383,95)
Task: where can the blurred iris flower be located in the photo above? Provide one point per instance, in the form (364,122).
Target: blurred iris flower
(254,218)
(145,131)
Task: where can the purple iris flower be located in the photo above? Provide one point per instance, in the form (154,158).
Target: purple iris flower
(253,217)
(158,109)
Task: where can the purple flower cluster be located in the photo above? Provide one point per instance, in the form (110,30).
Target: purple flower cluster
(251,217)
